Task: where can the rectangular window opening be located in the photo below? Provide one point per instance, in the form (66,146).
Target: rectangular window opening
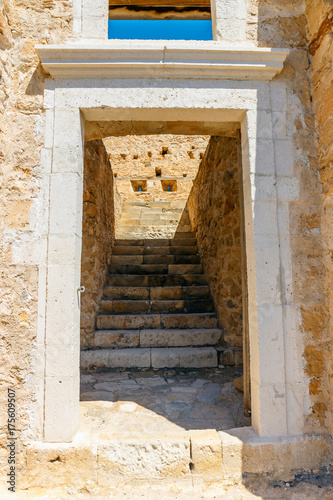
(164,20)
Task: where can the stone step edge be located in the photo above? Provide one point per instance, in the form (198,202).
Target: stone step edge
(150,301)
(186,337)
(150,357)
(156,321)
(176,270)
(150,242)
(158,275)
(152,277)
(227,355)
(183,315)
(168,287)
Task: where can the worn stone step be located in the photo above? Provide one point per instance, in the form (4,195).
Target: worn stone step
(179,292)
(154,250)
(163,357)
(156,321)
(185,269)
(156,338)
(196,291)
(167,306)
(126,259)
(124,242)
(180,338)
(124,306)
(163,242)
(127,292)
(136,227)
(182,306)
(183,357)
(126,280)
(152,232)
(158,242)
(156,293)
(152,268)
(139,269)
(177,279)
(158,259)
(171,259)
(128,250)
(116,338)
(156,280)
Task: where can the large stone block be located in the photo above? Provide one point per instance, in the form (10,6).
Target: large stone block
(150,458)
(206,448)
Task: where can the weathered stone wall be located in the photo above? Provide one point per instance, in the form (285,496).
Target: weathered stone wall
(101,206)
(214,211)
(283,24)
(24,190)
(317,322)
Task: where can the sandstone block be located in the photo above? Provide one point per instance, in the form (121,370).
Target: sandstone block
(127,250)
(179,338)
(57,465)
(129,358)
(185,268)
(116,338)
(200,320)
(127,280)
(126,292)
(185,357)
(150,458)
(128,321)
(158,259)
(126,259)
(169,292)
(206,450)
(167,306)
(151,250)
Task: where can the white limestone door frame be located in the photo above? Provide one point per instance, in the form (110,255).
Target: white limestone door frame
(70,100)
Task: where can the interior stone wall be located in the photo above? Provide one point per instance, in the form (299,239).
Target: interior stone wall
(214,211)
(101,207)
(316,321)
(176,157)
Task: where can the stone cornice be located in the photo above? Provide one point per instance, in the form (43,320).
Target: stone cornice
(151,59)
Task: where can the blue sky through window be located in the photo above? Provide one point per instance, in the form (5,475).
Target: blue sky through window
(160,30)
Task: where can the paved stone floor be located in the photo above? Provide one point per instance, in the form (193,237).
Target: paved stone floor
(205,399)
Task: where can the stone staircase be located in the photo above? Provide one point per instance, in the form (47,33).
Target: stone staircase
(153,219)
(156,310)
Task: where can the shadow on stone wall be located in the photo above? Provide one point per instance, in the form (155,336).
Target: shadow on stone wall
(214,211)
(100,209)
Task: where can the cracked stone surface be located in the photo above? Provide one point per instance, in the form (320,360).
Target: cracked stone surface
(164,400)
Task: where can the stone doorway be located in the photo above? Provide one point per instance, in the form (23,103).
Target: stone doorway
(262,240)
(158,187)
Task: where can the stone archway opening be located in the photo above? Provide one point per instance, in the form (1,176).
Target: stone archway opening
(162,315)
